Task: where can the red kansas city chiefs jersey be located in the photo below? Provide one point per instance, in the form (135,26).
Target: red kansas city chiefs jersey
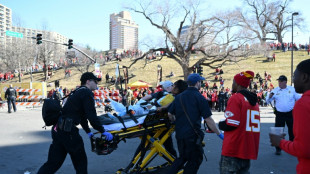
(243,141)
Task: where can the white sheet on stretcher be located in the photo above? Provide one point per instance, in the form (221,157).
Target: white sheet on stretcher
(119,126)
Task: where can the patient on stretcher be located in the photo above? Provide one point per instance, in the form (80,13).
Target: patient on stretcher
(135,114)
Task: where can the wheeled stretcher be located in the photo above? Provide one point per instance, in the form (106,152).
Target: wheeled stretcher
(153,132)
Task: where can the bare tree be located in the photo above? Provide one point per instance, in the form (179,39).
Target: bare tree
(256,19)
(48,53)
(82,63)
(17,52)
(17,55)
(217,39)
(282,17)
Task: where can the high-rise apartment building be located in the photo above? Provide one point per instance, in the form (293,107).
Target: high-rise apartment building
(5,23)
(123,31)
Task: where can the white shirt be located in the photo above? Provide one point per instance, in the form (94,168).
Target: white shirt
(284,98)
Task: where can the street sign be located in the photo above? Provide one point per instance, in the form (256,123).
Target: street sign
(14,34)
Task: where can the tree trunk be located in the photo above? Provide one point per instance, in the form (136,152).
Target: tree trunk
(31,74)
(19,73)
(45,70)
(279,37)
(186,71)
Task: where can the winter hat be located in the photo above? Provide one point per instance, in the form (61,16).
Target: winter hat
(243,78)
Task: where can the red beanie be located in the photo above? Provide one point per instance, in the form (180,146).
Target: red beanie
(243,78)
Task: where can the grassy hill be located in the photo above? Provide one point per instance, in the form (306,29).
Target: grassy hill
(148,73)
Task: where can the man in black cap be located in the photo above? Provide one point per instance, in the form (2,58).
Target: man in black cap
(79,108)
(284,97)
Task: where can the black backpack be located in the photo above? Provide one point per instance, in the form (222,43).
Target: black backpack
(51,109)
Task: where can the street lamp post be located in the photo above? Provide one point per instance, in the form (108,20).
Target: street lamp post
(292,57)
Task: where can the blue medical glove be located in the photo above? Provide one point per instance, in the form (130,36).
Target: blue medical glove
(90,134)
(221,135)
(108,136)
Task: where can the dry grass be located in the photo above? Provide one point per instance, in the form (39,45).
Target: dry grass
(148,73)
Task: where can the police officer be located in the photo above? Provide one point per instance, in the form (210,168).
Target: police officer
(222,97)
(285,97)
(79,108)
(10,95)
(186,110)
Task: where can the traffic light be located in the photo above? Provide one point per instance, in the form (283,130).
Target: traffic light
(195,69)
(199,70)
(39,39)
(70,44)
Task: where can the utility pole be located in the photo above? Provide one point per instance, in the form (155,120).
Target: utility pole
(292,55)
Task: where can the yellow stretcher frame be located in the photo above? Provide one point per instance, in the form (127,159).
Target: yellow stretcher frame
(155,136)
(156,148)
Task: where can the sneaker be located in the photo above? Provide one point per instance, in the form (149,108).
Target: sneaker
(278,152)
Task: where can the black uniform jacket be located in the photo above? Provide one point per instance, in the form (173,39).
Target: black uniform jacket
(81,107)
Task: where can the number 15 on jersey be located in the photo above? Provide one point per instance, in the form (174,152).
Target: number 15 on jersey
(252,121)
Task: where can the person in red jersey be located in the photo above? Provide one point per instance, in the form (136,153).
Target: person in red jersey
(300,146)
(241,126)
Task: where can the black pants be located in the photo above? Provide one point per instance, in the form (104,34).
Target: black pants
(11,102)
(189,153)
(221,105)
(65,143)
(283,118)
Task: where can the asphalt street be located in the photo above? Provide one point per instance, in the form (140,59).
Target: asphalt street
(24,148)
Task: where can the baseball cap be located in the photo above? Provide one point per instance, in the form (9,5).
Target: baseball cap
(192,79)
(166,84)
(282,78)
(89,76)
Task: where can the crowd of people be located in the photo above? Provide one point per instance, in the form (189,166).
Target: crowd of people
(288,46)
(196,102)
(6,76)
(247,93)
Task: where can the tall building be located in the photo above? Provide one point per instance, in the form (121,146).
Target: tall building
(123,31)
(5,23)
